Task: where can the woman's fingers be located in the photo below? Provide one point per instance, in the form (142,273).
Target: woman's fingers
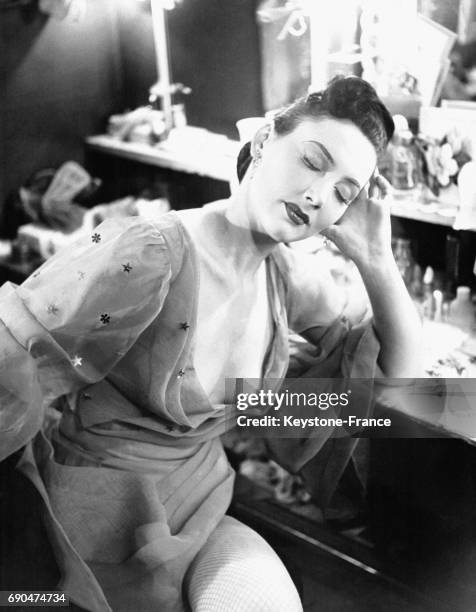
(330,232)
(379,187)
(383,185)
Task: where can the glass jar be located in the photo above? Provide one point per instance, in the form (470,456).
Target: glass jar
(403,163)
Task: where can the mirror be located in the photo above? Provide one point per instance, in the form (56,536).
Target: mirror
(411,61)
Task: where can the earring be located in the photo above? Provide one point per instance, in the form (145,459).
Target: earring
(255,162)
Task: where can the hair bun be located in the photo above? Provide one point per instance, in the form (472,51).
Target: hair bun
(351,95)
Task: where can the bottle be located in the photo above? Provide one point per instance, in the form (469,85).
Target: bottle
(403,257)
(438,299)
(428,305)
(452,264)
(404,161)
(462,310)
(416,285)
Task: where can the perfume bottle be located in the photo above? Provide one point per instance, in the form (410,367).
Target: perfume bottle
(403,162)
(462,310)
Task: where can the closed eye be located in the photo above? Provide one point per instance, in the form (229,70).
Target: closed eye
(341,198)
(310,164)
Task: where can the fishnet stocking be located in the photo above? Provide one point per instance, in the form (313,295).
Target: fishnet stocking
(237,571)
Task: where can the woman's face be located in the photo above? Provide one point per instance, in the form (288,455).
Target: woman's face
(305,180)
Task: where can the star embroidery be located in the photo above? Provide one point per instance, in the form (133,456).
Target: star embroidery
(105,319)
(36,274)
(180,373)
(96,238)
(52,309)
(169,427)
(126,267)
(81,275)
(184,326)
(77,361)
(86,396)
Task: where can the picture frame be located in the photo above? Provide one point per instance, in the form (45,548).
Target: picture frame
(434,45)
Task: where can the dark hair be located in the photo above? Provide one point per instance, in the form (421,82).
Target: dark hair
(349,98)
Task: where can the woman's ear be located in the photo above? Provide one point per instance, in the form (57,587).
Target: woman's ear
(259,139)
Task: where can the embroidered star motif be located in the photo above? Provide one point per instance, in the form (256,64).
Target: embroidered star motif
(105,319)
(36,274)
(52,309)
(86,396)
(180,373)
(184,326)
(169,427)
(77,361)
(81,275)
(126,267)
(96,238)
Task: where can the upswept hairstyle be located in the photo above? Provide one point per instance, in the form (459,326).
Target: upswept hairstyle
(349,98)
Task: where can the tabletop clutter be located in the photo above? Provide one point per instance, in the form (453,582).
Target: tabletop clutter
(55,207)
(433,169)
(446,309)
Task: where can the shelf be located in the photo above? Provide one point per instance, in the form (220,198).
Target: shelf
(220,167)
(407,209)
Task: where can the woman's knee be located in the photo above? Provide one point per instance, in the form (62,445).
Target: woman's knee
(238,571)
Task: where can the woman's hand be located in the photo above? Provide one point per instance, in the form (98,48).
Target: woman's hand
(363,233)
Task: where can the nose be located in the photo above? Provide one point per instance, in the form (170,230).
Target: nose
(311,200)
(313,195)
(318,192)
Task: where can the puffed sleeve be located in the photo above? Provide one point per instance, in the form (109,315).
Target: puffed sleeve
(70,322)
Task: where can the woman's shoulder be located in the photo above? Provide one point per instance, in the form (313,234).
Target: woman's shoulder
(166,225)
(152,243)
(206,214)
(204,225)
(138,230)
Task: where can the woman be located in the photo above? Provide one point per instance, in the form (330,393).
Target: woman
(135,330)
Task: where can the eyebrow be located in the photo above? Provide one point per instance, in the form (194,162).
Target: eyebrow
(330,159)
(324,150)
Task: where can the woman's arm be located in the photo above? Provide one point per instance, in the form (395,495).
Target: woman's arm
(70,322)
(364,235)
(396,320)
